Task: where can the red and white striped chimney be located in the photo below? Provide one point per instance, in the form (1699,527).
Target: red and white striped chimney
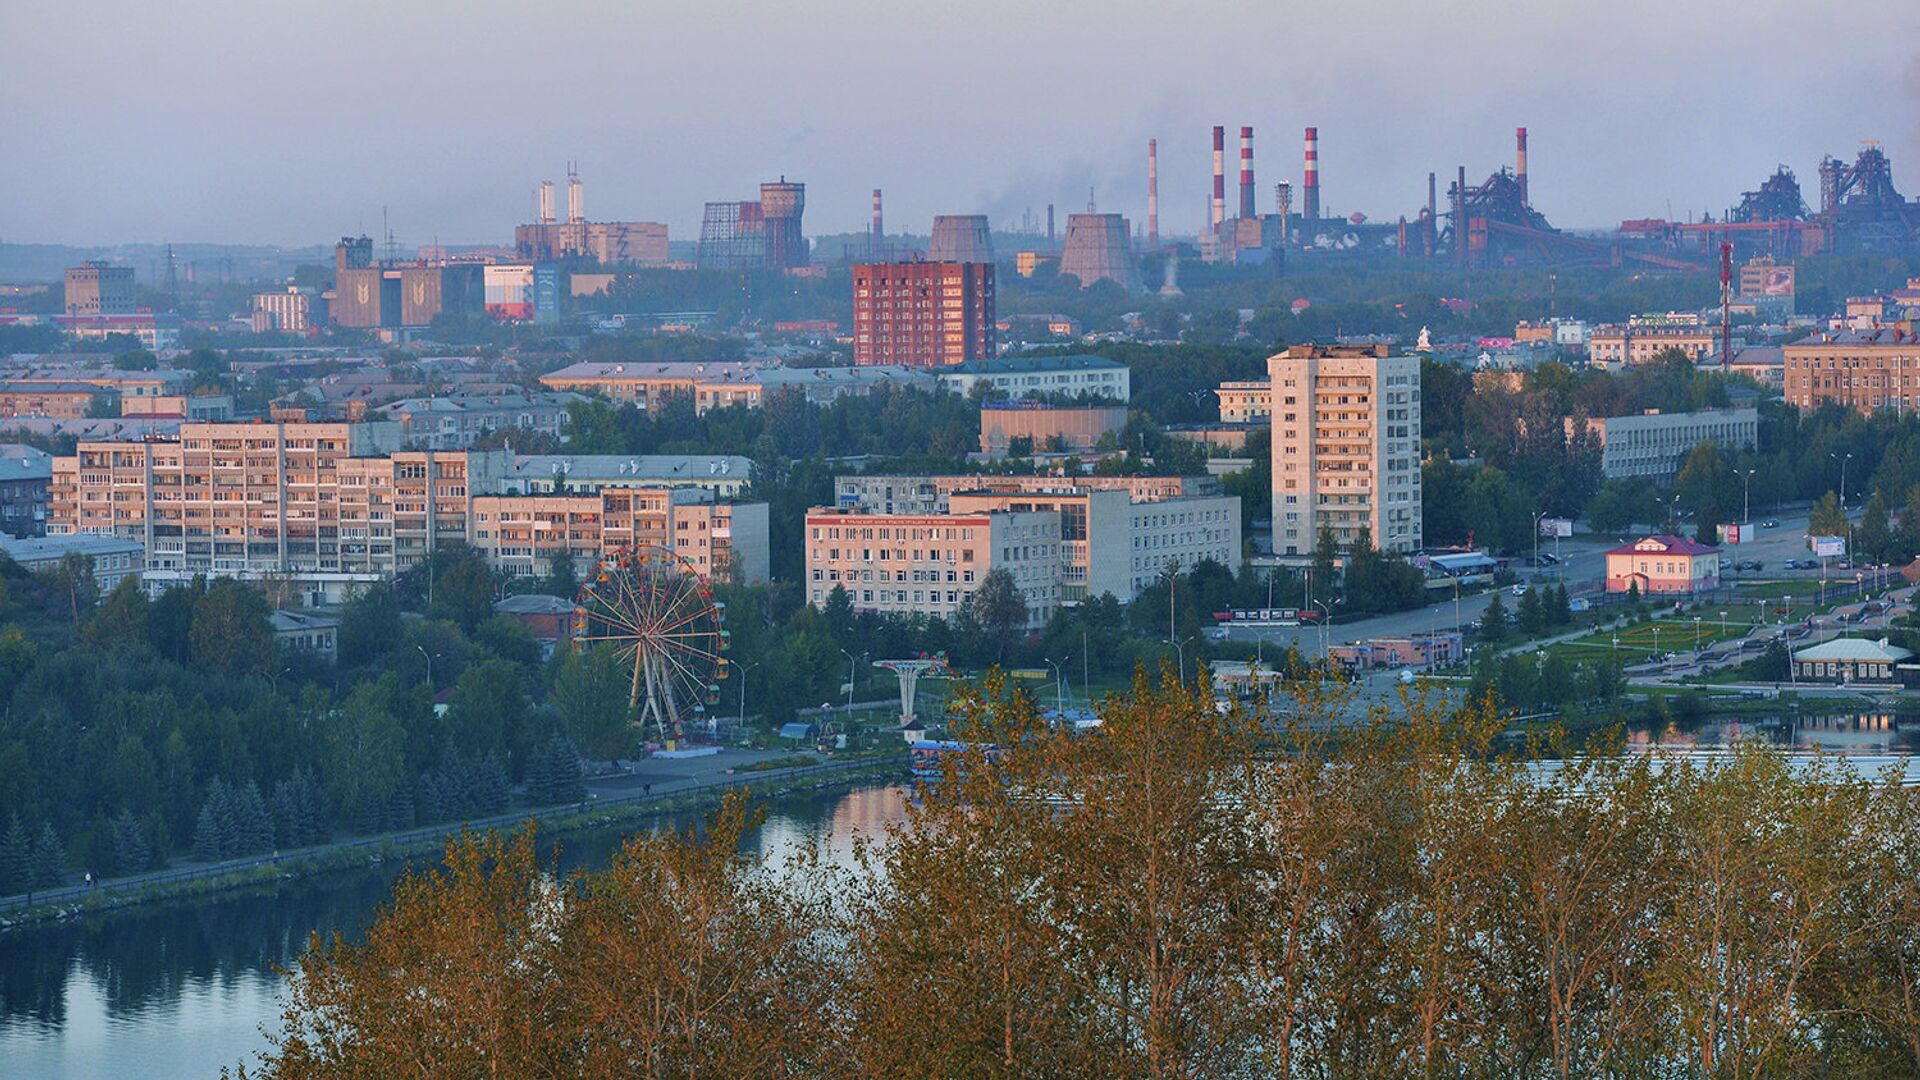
(1520,163)
(1153,194)
(879,231)
(1246,172)
(1310,208)
(1219,176)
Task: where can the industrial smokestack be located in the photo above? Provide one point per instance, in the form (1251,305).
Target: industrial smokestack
(1049,226)
(1283,202)
(1520,163)
(576,196)
(1246,173)
(546,202)
(1153,194)
(1219,206)
(1460,217)
(879,232)
(1310,209)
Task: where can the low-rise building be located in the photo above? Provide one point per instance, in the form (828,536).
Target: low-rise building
(114,559)
(1032,376)
(1663,565)
(26,475)
(1614,346)
(932,564)
(1849,660)
(726,475)
(551,620)
(646,385)
(455,422)
(906,494)
(306,633)
(1653,445)
(1425,650)
(54,400)
(1113,545)
(1047,429)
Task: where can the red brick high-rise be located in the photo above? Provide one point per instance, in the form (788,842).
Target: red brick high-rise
(922,314)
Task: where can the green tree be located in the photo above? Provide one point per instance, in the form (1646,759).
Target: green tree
(459,586)
(49,857)
(131,852)
(1826,518)
(229,632)
(554,774)
(1493,621)
(369,626)
(1531,615)
(1873,538)
(16,857)
(121,619)
(591,689)
(488,712)
(999,606)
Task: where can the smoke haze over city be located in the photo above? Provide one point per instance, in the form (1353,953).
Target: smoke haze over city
(244,122)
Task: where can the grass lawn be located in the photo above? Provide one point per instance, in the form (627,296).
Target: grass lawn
(1773,590)
(1638,642)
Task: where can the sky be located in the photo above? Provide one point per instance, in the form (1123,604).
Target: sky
(258,121)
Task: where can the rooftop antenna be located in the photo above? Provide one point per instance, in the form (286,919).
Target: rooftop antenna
(1091,209)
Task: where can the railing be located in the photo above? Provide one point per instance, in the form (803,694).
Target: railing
(68,893)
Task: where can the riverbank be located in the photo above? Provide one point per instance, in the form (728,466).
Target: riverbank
(69,902)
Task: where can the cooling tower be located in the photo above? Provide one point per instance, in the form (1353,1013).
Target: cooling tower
(960,238)
(1097,249)
(781,205)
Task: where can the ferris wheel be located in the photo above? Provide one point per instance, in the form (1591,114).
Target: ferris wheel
(660,617)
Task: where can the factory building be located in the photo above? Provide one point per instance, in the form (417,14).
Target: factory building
(99,288)
(369,296)
(1868,370)
(923,314)
(1346,447)
(289,311)
(756,235)
(907,564)
(609,243)
(1653,445)
(1047,429)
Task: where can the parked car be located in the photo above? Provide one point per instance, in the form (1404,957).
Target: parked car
(1770,524)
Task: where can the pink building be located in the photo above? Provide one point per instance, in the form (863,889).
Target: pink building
(1663,564)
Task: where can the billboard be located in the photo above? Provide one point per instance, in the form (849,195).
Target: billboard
(1828,547)
(1559,528)
(1734,534)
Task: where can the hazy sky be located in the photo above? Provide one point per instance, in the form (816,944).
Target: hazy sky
(281,122)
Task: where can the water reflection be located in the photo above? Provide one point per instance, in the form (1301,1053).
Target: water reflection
(183,989)
(1851,733)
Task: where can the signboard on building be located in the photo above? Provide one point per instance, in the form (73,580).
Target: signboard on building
(1828,547)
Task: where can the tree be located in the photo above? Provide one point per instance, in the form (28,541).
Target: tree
(999,605)
(554,774)
(73,577)
(459,586)
(1493,621)
(1773,664)
(1873,538)
(590,689)
(121,619)
(1531,616)
(1826,518)
(16,857)
(1561,609)
(131,852)
(488,712)
(49,857)
(369,626)
(229,631)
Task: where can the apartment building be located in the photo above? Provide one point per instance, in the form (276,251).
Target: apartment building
(726,475)
(723,385)
(908,494)
(1112,544)
(327,505)
(1653,445)
(647,386)
(455,422)
(55,400)
(1868,370)
(923,314)
(1346,447)
(521,534)
(907,563)
(1047,429)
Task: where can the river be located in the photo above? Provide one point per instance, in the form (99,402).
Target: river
(180,990)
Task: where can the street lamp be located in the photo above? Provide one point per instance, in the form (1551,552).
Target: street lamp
(851,665)
(1843,476)
(429,660)
(743,692)
(1536,538)
(1059,686)
(1746,498)
(1181,648)
(1696,633)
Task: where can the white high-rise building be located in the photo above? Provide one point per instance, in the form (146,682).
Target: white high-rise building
(1346,447)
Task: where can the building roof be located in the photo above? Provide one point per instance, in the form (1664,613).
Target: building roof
(1668,545)
(534,604)
(1855,649)
(21,462)
(36,549)
(1887,336)
(288,622)
(806,378)
(645,466)
(32,386)
(654,369)
(1018,365)
(465,403)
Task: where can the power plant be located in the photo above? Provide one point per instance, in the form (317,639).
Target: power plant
(961,238)
(1098,248)
(756,235)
